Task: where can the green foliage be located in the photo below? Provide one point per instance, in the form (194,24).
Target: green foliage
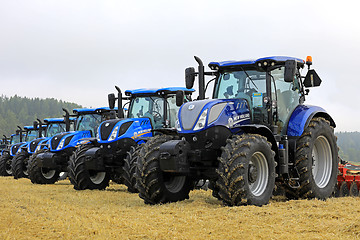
(21,111)
(349,144)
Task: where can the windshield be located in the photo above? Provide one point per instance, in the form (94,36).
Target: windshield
(15,139)
(89,122)
(150,107)
(55,128)
(251,86)
(31,135)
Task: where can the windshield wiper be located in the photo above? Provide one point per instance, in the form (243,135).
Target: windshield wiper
(249,78)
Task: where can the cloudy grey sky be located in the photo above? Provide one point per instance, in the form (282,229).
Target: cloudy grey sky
(77,50)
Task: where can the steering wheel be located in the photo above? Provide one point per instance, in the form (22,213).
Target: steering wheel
(157,116)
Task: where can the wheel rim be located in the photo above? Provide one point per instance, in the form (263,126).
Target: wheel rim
(258,174)
(321,162)
(97,177)
(48,173)
(174,183)
(8,167)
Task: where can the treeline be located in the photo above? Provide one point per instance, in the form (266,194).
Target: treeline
(349,144)
(21,111)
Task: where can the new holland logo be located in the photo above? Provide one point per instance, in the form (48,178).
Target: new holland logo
(191,107)
(107,124)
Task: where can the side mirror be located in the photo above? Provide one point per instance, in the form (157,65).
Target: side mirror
(312,79)
(189,77)
(290,70)
(35,124)
(179,98)
(111,98)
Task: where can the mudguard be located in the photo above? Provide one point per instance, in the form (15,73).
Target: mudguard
(301,117)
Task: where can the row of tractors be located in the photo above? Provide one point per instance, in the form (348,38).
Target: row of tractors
(254,132)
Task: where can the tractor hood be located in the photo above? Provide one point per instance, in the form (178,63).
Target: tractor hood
(199,115)
(67,140)
(32,146)
(115,129)
(15,148)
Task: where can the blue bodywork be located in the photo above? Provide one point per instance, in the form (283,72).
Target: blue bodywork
(154,91)
(233,113)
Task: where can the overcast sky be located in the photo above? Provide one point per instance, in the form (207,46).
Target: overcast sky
(78,50)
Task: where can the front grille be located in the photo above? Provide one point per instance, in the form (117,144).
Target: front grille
(124,127)
(34,144)
(54,142)
(67,140)
(106,128)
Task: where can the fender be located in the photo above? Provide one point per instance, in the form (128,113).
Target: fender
(263,131)
(301,117)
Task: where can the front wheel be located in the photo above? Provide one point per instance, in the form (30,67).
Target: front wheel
(246,172)
(129,168)
(83,178)
(5,165)
(19,165)
(154,185)
(40,175)
(316,159)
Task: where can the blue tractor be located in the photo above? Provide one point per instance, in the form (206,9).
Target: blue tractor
(47,164)
(19,162)
(93,163)
(255,131)
(16,140)
(54,126)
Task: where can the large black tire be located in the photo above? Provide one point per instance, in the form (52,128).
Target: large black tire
(316,159)
(353,191)
(19,165)
(246,172)
(155,186)
(81,177)
(129,168)
(5,164)
(344,190)
(40,175)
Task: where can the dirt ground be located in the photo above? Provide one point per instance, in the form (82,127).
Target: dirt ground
(57,211)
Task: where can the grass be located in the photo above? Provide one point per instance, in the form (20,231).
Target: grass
(29,211)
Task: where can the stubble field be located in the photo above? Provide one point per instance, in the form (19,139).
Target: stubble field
(29,211)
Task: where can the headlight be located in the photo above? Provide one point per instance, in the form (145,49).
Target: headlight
(113,134)
(177,125)
(61,144)
(38,148)
(200,124)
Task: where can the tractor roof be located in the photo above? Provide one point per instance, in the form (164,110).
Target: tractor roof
(156,91)
(91,110)
(29,127)
(278,60)
(57,120)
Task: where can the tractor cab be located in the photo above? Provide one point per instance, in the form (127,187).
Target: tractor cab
(159,105)
(261,83)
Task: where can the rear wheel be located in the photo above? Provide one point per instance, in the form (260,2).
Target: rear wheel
(129,168)
(40,175)
(154,185)
(353,191)
(316,159)
(5,165)
(246,172)
(83,178)
(19,165)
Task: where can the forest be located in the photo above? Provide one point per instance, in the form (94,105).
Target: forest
(22,111)
(349,144)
